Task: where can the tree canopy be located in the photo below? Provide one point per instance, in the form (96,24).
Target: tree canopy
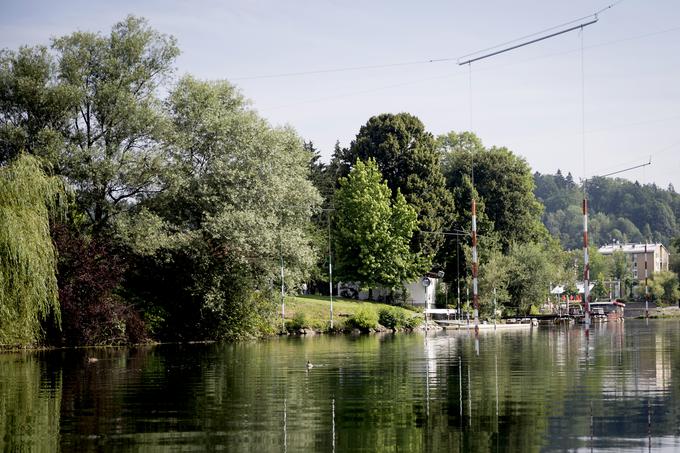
(188,205)
(372,232)
(503,182)
(237,201)
(406,156)
(619,210)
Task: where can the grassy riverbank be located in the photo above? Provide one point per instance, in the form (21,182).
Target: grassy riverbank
(663,313)
(313,312)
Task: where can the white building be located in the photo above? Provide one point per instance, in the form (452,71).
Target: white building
(420,293)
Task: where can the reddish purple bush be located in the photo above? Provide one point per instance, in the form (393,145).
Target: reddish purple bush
(89,273)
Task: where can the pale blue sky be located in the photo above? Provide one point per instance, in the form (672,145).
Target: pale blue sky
(528,100)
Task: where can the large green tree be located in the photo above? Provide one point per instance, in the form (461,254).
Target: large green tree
(34,104)
(372,231)
(503,181)
(90,107)
(532,269)
(238,203)
(113,153)
(407,157)
(665,287)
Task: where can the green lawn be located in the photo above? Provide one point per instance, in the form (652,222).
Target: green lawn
(316,309)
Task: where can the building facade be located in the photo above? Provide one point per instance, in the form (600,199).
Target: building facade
(655,255)
(420,293)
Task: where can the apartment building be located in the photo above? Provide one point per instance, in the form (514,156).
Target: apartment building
(655,255)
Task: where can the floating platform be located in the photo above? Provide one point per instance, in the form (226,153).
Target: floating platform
(464,325)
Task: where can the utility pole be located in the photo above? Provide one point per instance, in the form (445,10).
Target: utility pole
(330,267)
(475,264)
(460,312)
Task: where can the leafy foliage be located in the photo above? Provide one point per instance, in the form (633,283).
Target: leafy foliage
(237,201)
(533,267)
(364,319)
(34,104)
(494,280)
(298,322)
(674,264)
(113,154)
(89,275)
(665,287)
(407,157)
(619,210)
(395,318)
(372,232)
(503,183)
(28,284)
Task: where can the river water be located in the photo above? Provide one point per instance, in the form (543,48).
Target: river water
(544,389)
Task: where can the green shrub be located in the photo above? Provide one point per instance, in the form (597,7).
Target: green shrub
(411,322)
(298,322)
(391,317)
(395,318)
(364,318)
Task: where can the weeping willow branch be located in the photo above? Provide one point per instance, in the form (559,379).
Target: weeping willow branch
(28,284)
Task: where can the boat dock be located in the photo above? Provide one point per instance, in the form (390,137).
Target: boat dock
(463,325)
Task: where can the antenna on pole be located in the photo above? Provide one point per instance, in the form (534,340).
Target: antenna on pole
(506,47)
(497,50)
(535,40)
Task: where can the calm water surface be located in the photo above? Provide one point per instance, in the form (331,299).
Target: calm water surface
(544,389)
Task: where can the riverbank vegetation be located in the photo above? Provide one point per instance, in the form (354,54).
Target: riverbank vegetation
(140,205)
(313,313)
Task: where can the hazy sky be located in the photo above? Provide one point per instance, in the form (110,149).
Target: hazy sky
(528,100)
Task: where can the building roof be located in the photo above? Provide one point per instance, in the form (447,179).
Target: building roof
(559,289)
(628,248)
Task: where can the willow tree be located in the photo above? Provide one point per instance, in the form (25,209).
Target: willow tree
(28,283)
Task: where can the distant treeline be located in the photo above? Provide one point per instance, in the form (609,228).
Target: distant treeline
(619,210)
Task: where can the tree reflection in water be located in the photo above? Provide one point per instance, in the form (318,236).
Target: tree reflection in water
(543,389)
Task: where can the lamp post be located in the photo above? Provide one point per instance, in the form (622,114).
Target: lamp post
(330,264)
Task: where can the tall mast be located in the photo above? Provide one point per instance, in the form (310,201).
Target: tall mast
(646,285)
(512,45)
(586,260)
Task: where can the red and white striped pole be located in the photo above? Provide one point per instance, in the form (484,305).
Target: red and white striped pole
(646,286)
(475,264)
(586,264)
